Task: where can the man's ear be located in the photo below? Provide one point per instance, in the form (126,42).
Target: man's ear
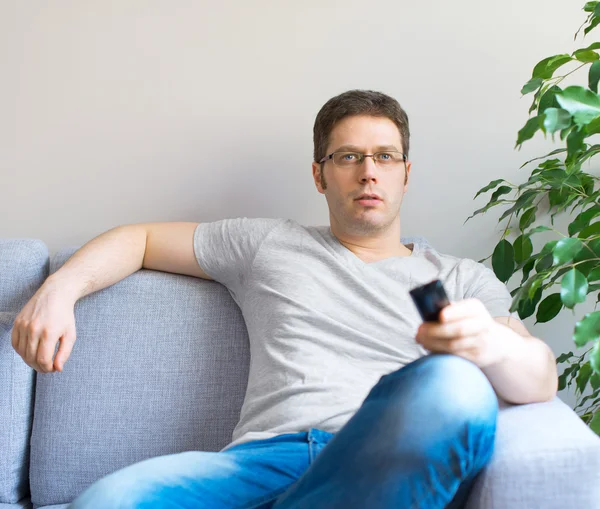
(316,170)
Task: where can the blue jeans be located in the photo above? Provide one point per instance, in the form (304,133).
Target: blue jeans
(419,440)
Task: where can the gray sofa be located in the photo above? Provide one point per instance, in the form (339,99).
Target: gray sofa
(160,366)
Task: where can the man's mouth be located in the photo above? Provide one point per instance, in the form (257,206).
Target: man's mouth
(368,199)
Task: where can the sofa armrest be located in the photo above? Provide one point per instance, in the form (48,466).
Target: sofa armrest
(545,457)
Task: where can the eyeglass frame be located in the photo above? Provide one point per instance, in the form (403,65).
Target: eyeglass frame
(330,156)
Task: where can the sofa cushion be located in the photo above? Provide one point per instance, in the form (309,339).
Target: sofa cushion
(23,268)
(545,457)
(160,366)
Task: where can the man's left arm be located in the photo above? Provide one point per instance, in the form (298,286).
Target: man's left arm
(520,367)
(528,373)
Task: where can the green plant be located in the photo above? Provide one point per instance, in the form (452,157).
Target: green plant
(571,261)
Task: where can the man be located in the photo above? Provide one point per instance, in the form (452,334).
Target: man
(352,401)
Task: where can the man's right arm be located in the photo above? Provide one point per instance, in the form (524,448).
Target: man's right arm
(112,256)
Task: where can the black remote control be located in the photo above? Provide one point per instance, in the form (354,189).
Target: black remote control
(430,299)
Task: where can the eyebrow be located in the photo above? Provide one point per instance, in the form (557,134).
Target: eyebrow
(354,148)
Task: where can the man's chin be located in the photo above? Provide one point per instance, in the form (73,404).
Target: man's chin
(362,226)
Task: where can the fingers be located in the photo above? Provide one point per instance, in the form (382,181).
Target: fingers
(35,345)
(451,345)
(452,330)
(33,337)
(64,350)
(45,351)
(45,320)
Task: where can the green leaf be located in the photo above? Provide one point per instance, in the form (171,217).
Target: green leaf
(589,396)
(538,229)
(562,381)
(527,306)
(565,250)
(594,45)
(589,6)
(522,202)
(529,129)
(549,308)
(581,103)
(575,143)
(588,257)
(565,356)
(594,23)
(500,191)
(594,76)
(546,67)
(531,85)
(491,185)
(587,329)
(503,260)
(523,248)
(590,230)
(533,289)
(595,379)
(594,275)
(585,56)
(544,263)
(574,287)
(527,219)
(527,269)
(583,219)
(595,423)
(556,119)
(595,357)
(583,377)
(593,127)
(548,99)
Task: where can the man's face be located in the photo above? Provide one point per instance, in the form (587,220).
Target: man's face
(341,186)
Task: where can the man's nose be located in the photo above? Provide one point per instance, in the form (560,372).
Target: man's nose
(368,169)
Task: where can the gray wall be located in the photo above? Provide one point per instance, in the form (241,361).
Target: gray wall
(117,112)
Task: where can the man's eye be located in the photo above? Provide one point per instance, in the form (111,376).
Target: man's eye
(349,157)
(384,156)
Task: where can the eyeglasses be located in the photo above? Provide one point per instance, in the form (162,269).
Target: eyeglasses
(387,159)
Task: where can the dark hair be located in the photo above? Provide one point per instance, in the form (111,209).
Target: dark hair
(357,102)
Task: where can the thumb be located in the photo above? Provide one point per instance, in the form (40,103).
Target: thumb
(64,350)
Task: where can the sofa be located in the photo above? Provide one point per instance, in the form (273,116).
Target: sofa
(160,366)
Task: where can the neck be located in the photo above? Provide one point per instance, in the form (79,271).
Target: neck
(376,246)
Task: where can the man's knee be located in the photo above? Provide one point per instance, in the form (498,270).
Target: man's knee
(443,387)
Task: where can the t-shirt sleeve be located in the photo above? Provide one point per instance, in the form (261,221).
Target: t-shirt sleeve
(226,249)
(482,283)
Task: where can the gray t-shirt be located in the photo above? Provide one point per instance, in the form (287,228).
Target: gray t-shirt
(323,325)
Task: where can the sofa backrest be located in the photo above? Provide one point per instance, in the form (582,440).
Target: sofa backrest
(23,268)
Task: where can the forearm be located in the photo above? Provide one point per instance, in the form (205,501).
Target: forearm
(102,262)
(528,373)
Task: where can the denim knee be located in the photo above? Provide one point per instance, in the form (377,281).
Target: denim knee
(437,392)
